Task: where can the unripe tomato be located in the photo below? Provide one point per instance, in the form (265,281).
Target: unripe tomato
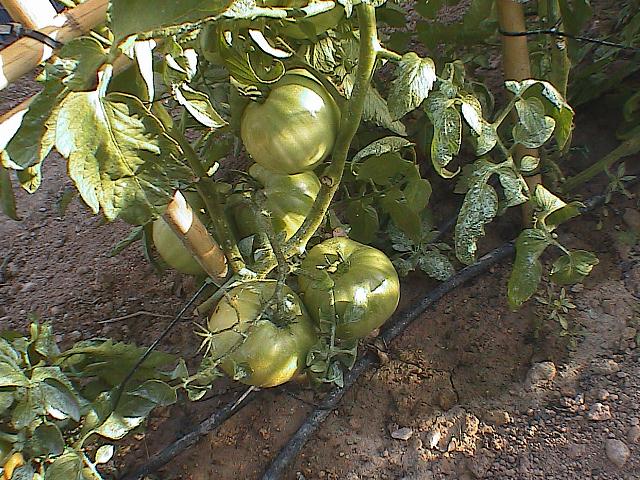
(172,250)
(267,353)
(296,126)
(289,198)
(360,281)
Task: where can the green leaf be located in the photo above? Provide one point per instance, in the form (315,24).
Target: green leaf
(382,146)
(25,411)
(479,207)
(46,441)
(527,269)
(6,400)
(199,106)
(396,205)
(87,56)
(11,376)
(156,391)
(418,192)
(383,169)
(363,220)
(534,128)
(376,110)
(119,155)
(134,236)
(7,197)
(412,85)
(45,343)
(128,17)
(572,268)
(562,214)
(59,401)
(65,467)
(552,211)
(322,55)
(447,132)
(436,265)
(514,186)
(529,164)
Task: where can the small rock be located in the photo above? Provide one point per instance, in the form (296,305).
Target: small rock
(602,394)
(447,399)
(576,450)
(606,366)
(28,287)
(617,452)
(634,421)
(633,435)
(599,412)
(56,310)
(404,433)
(539,374)
(497,417)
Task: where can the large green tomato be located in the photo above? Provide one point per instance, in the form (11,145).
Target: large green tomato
(289,198)
(264,353)
(359,280)
(296,126)
(169,246)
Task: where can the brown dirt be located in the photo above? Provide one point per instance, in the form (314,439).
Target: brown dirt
(477,389)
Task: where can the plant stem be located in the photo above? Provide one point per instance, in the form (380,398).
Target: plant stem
(389,55)
(515,62)
(626,148)
(351,116)
(209,193)
(560,63)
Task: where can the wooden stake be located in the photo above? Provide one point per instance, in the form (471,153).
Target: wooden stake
(515,63)
(33,14)
(25,54)
(195,237)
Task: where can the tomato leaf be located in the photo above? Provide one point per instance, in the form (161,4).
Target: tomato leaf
(396,205)
(25,411)
(46,441)
(363,220)
(322,55)
(66,467)
(376,110)
(513,185)
(383,169)
(87,56)
(447,132)
(534,128)
(485,133)
(6,400)
(11,375)
(7,197)
(435,265)
(527,269)
(382,146)
(573,267)
(199,106)
(479,207)
(418,192)
(59,401)
(120,158)
(414,81)
(128,17)
(135,235)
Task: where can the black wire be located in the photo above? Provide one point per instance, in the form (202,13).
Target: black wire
(20,30)
(558,33)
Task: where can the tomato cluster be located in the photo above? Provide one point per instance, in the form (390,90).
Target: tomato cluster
(261,333)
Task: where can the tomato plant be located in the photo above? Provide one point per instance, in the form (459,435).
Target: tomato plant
(294,128)
(255,341)
(352,282)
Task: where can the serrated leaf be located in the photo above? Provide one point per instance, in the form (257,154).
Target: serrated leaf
(383,169)
(572,268)
(199,106)
(363,220)
(382,146)
(84,57)
(414,81)
(46,441)
(322,55)
(527,269)
(104,454)
(10,376)
(479,207)
(119,156)
(65,467)
(534,128)
(128,17)
(376,110)
(435,265)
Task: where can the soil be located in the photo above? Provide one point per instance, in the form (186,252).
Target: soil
(470,390)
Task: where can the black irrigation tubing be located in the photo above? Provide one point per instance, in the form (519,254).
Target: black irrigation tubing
(315,419)
(559,33)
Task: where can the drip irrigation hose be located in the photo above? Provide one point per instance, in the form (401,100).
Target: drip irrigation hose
(398,323)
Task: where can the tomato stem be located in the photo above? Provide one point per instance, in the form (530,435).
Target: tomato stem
(351,116)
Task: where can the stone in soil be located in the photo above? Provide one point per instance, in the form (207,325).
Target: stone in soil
(540,374)
(599,412)
(617,452)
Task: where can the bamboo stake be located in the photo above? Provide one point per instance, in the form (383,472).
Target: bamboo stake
(195,237)
(25,54)
(515,63)
(37,14)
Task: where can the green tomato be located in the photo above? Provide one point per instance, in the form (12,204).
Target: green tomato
(172,250)
(296,126)
(263,353)
(360,281)
(289,198)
